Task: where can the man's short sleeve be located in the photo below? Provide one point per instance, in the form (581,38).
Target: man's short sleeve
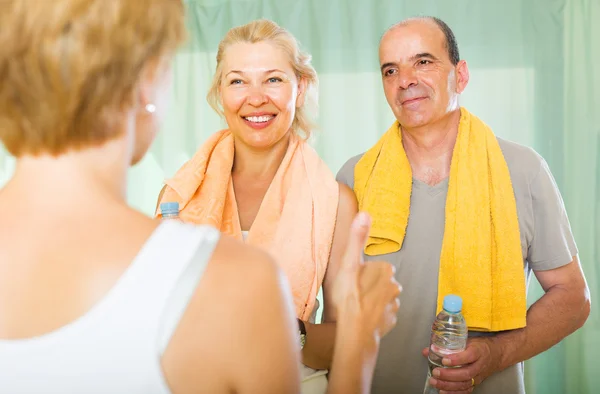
(552,245)
(346,174)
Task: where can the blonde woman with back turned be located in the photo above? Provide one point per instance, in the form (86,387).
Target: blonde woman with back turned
(98,298)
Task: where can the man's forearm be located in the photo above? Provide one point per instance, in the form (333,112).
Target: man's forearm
(558,313)
(320,341)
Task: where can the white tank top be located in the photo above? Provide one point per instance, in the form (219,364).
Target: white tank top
(116,347)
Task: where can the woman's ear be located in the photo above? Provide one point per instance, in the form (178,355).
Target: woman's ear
(301,96)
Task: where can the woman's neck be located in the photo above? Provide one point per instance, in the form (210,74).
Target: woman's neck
(90,175)
(259,164)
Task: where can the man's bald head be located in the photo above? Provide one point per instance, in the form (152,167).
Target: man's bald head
(450,40)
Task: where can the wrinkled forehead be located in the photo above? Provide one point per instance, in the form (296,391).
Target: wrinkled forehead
(255,58)
(411,38)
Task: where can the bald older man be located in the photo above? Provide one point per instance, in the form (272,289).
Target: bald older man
(423,77)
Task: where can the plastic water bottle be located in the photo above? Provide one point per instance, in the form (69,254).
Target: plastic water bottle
(448,335)
(169,210)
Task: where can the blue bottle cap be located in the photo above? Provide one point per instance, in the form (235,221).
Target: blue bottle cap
(452,303)
(169,208)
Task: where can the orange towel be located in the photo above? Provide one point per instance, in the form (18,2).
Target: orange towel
(481,256)
(296,219)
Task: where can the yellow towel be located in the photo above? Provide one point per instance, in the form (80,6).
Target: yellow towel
(481,256)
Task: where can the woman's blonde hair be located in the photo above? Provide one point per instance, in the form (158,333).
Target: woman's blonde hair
(68,68)
(266,30)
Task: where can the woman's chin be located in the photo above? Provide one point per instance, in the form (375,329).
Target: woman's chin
(262,140)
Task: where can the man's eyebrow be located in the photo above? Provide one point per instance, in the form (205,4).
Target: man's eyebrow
(386,65)
(423,54)
(412,58)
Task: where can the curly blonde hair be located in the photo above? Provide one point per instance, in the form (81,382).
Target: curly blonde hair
(70,67)
(266,30)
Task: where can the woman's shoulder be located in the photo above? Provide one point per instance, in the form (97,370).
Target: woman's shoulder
(235,261)
(240,280)
(242,296)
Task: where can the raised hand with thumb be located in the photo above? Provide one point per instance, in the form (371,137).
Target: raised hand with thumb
(365,293)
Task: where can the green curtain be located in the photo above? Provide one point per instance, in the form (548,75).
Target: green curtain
(573,151)
(533,80)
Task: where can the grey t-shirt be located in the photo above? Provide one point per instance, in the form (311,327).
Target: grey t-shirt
(546,243)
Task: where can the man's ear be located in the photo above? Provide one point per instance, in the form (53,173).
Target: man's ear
(462,76)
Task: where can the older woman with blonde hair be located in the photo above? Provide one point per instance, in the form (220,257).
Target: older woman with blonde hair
(260,181)
(96,297)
